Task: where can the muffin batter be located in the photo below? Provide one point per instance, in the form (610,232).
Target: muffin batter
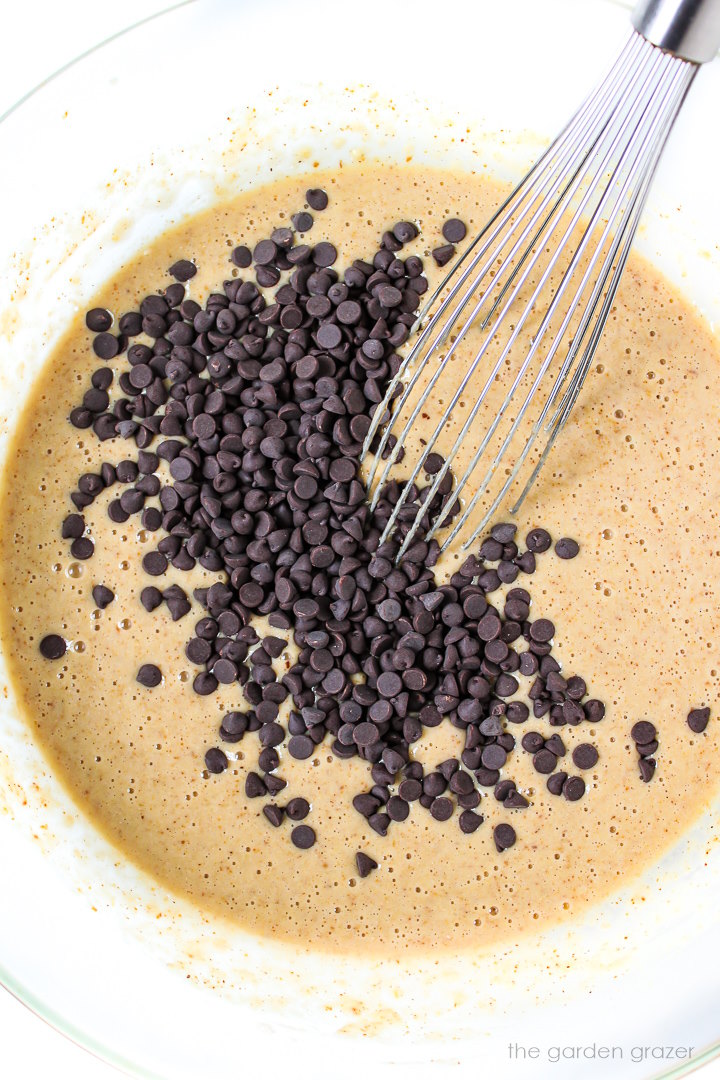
(634,480)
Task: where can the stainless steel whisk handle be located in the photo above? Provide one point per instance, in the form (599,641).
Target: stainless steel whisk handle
(689,29)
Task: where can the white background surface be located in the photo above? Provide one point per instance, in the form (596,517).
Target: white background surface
(38,37)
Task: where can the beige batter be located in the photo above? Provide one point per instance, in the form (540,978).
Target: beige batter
(635,481)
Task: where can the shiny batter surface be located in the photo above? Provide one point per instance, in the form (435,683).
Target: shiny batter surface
(635,480)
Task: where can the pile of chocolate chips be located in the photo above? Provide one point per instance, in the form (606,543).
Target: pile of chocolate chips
(260,406)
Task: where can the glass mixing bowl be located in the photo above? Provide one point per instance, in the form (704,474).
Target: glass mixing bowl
(159,123)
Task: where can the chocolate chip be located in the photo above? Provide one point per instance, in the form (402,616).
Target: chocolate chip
(585,756)
(151,598)
(254,786)
(441,808)
(647,749)
(149,675)
(494,757)
(303,221)
(538,540)
(469,821)
(556,782)
(643,731)
(365,864)
(268,759)
(594,710)
(647,769)
(542,630)
(301,747)
(555,745)
(389,684)
(576,689)
(241,256)
(324,254)
(443,254)
(102,596)
(183,270)
(404,232)
(504,837)
(574,788)
(454,230)
(53,647)
(106,346)
(216,760)
(303,837)
(274,784)
(297,809)
(397,808)
(154,563)
(73,527)
(544,761)
(532,741)
(274,814)
(82,548)
(566,548)
(698,719)
(98,320)
(177,602)
(316,198)
(410,790)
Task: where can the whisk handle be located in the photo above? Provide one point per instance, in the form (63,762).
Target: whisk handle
(688,28)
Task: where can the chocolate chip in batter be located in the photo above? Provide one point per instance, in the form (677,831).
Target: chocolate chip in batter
(643,731)
(82,548)
(316,198)
(698,719)
(102,596)
(647,769)
(216,760)
(154,563)
(556,782)
(98,320)
(454,230)
(151,598)
(544,761)
(183,270)
(504,836)
(441,808)
(443,254)
(274,814)
(149,675)
(538,540)
(303,837)
(241,256)
(365,864)
(53,647)
(585,756)
(297,809)
(574,788)
(542,630)
(469,821)
(254,786)
(567,548)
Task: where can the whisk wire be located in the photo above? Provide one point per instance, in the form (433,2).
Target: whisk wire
(639,77)
(655,111)
(494,227)
(563,410)
(594,178)
(636,75)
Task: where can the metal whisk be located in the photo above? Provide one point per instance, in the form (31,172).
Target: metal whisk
(580,203)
